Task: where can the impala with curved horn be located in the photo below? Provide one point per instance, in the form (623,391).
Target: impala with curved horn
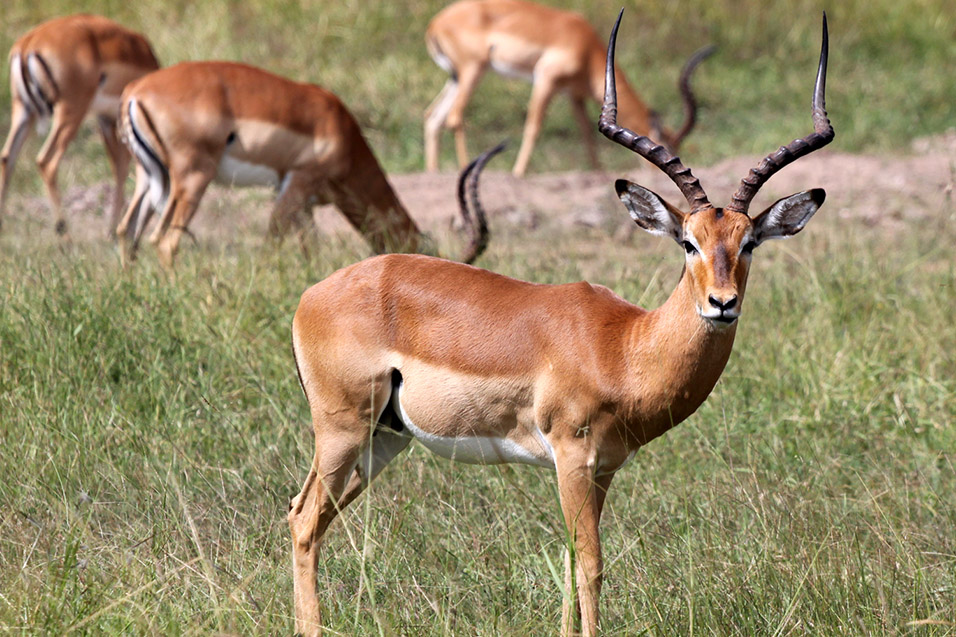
(486,369)
(60,71)
(559,51)
(196,122)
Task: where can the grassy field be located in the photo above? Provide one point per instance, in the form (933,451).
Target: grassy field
(152,433)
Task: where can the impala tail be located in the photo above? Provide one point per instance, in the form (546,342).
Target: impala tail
(141,138)
(475,224)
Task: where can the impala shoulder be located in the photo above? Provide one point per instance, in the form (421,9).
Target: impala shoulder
(600,298)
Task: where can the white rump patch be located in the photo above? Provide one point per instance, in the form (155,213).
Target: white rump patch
(148,159)
(477,449)
(442,60)
(234,172)
(19,84)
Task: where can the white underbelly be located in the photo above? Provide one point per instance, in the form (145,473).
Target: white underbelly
(511,70)
(234,172)
(478,449)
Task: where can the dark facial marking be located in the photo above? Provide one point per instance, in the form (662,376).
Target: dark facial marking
(721,263)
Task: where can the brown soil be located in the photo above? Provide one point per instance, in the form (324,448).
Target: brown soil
(885,191)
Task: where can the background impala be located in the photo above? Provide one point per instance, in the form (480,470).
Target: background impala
(485,369)
(198,121)
(558,51)
(60,71)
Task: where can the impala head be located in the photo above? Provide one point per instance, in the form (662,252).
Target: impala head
(718,242)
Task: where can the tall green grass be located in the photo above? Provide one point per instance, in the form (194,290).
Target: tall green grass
(889,80)
(151,435)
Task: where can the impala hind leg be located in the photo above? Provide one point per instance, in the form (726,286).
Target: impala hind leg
(185,193)
(119,161)
(21,121)
(541,92)
(468,79)
(66,122)
(137,215)
(344,465)
(435,116)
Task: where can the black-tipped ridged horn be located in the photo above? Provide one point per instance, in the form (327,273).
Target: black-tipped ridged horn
(821,136)
(643,146)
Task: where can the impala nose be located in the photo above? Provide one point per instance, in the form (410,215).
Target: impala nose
(723,306)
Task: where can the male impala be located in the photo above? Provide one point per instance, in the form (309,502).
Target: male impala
(486,369)
(197,121)
(59,71)
(557,50)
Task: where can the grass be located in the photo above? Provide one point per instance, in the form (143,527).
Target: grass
(887,83)
(151,435)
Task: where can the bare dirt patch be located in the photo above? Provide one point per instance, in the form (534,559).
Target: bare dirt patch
(882,191)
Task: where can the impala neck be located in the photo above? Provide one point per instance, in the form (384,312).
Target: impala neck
(676,358)
(367,200)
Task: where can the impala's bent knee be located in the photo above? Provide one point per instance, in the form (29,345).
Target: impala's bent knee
(43,165)
(454,121)
(303,540)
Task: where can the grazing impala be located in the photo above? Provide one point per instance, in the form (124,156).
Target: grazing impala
(557,50)
(59,71)
(197,121)
(486,369)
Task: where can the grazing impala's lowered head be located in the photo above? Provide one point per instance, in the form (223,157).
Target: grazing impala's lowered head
(718,241)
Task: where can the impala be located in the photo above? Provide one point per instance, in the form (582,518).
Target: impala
(486,369)
(194,122)
(60,71)
(559,51)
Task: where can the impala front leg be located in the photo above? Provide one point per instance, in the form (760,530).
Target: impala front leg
(292,210)
(587,130)
(571,607)
(581,505)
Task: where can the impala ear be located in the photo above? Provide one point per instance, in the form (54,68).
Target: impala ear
(649,211)
(787,216)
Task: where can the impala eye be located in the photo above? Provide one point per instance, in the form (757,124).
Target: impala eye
(689,247)
(749,247)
